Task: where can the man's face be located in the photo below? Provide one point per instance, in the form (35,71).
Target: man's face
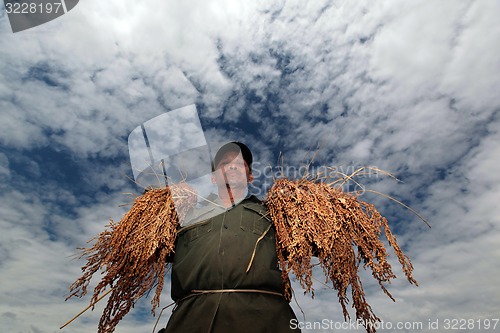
(232,171)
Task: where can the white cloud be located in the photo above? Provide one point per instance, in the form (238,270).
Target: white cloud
(470,73)
(4,166)
(410,49)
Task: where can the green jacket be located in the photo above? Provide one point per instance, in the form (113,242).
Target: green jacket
(213,255)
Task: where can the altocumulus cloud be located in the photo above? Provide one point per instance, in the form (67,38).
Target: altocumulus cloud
(410,87)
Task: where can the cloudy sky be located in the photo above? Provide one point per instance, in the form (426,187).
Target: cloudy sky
(411,87)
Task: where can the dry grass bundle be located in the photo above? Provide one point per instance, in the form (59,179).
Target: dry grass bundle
(313,218)
(133,253)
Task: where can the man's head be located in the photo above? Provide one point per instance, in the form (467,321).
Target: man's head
(233,165)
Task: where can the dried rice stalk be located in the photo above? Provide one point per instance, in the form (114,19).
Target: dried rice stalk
(314,218)
(133,253)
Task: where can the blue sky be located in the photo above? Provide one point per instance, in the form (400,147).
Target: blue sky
(410,87)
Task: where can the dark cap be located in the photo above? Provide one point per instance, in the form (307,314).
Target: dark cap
(234,146)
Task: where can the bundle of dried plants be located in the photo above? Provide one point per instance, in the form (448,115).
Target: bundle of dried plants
(313,218)
(133,253)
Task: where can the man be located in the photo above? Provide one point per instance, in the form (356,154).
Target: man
(225,274)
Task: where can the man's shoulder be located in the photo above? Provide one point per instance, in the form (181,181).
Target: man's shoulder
(255,204)
(252,200)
